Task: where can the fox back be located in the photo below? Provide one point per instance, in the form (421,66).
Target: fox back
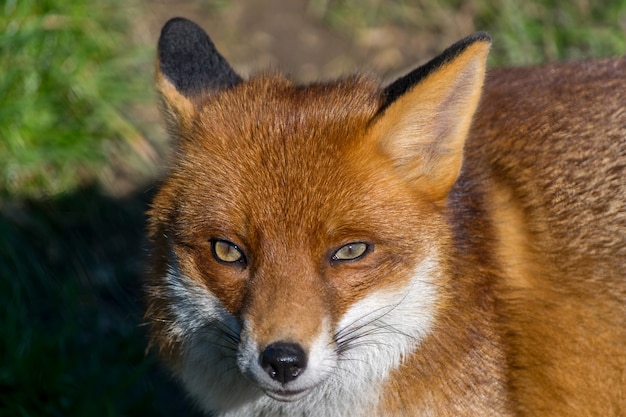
(347,248)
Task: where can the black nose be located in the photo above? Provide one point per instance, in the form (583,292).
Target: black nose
(283,362)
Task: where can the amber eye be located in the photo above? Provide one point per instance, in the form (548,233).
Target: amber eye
(227,252)
(351,251)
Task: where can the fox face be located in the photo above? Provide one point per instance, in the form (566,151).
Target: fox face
(285,256)
(299,235)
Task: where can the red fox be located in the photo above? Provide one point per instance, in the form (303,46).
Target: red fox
(432,247)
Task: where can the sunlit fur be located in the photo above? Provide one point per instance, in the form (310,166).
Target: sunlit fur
(369,341)
(492,205)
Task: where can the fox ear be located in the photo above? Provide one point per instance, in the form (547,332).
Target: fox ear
(188,65)
(426,115)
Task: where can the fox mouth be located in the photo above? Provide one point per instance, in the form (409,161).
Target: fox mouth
(286,395)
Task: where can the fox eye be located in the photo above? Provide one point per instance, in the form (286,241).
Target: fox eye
(351,251)
(227,252)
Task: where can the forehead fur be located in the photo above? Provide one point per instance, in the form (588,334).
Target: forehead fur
(269,148)
(272,122)
(273,116)
(275,106)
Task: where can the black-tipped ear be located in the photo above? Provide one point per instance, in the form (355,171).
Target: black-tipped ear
(424,123)
(188,59)
(405,83)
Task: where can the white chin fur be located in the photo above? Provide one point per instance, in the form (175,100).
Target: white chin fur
(342,378)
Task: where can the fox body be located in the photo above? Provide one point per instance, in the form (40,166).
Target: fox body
(347,249)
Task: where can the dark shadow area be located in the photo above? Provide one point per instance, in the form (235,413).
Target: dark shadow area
(71,310)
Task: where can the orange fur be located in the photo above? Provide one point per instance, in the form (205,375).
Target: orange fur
(494,277)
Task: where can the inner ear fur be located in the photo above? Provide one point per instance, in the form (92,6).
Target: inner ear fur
(426,116)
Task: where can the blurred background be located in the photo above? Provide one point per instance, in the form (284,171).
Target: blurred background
(81,146)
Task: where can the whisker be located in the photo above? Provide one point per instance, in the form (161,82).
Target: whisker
(360,331)
(351,327)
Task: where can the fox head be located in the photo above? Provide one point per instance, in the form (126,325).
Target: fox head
(299,236)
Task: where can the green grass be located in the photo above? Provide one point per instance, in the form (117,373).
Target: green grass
(524,32)
(71,254)
(532,32)
(62,343)
(71,342)
(65,79)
